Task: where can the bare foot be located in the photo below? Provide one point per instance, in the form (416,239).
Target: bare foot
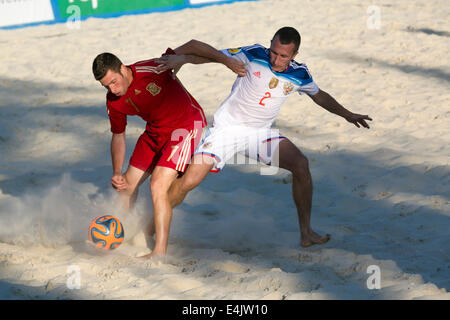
(151,256)
(314,238)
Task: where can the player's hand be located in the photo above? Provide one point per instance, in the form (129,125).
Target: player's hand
(170,62)
(118,182)
(236,66)
(358,119)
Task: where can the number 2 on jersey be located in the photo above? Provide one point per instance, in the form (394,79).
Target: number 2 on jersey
(266,95)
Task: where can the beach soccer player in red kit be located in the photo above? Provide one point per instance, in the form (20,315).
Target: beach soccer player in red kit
(173,130)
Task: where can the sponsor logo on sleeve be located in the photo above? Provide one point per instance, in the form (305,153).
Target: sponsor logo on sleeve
(234,50)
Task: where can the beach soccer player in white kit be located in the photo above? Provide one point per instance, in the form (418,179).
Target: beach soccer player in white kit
(243,121)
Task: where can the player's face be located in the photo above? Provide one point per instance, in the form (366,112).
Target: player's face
(116,83)
(281,54)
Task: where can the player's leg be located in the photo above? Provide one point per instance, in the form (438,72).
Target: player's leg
(289,157)
(160,182)
(134,177)
(195,173)
(142,162)
(213,151)
(173,159)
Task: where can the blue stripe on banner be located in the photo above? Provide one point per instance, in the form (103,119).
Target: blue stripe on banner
(58,18)
(33,24)
(55,10)
(209,3)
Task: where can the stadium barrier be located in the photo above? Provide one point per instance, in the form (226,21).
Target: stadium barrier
(25,13)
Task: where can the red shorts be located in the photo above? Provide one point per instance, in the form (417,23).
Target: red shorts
(171,151)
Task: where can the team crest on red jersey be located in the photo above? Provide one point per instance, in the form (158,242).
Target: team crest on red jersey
(153,88)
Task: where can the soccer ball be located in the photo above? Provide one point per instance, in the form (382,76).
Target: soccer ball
(106,232)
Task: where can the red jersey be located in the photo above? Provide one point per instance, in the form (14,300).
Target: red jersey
(156,97)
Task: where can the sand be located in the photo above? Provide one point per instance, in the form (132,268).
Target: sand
(383,194)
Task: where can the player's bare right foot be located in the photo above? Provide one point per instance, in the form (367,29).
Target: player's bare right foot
(152,255)
(314,238)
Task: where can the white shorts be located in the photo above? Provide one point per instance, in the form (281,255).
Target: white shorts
(223,142)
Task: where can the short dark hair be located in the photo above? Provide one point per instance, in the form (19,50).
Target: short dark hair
(104,62)
(287,35)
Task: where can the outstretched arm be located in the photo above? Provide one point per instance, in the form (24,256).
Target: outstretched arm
(327,102)
(197,52)
(201,49)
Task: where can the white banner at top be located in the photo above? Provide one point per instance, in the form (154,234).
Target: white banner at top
(15,12)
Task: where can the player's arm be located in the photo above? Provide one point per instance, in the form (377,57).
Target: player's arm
(197,52)
(202,49)
(175,62)
(118,149)
(327,102)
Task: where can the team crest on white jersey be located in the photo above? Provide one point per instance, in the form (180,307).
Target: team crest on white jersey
(273,83)
(287,88)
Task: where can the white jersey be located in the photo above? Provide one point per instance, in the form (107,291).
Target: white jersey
(256,99)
